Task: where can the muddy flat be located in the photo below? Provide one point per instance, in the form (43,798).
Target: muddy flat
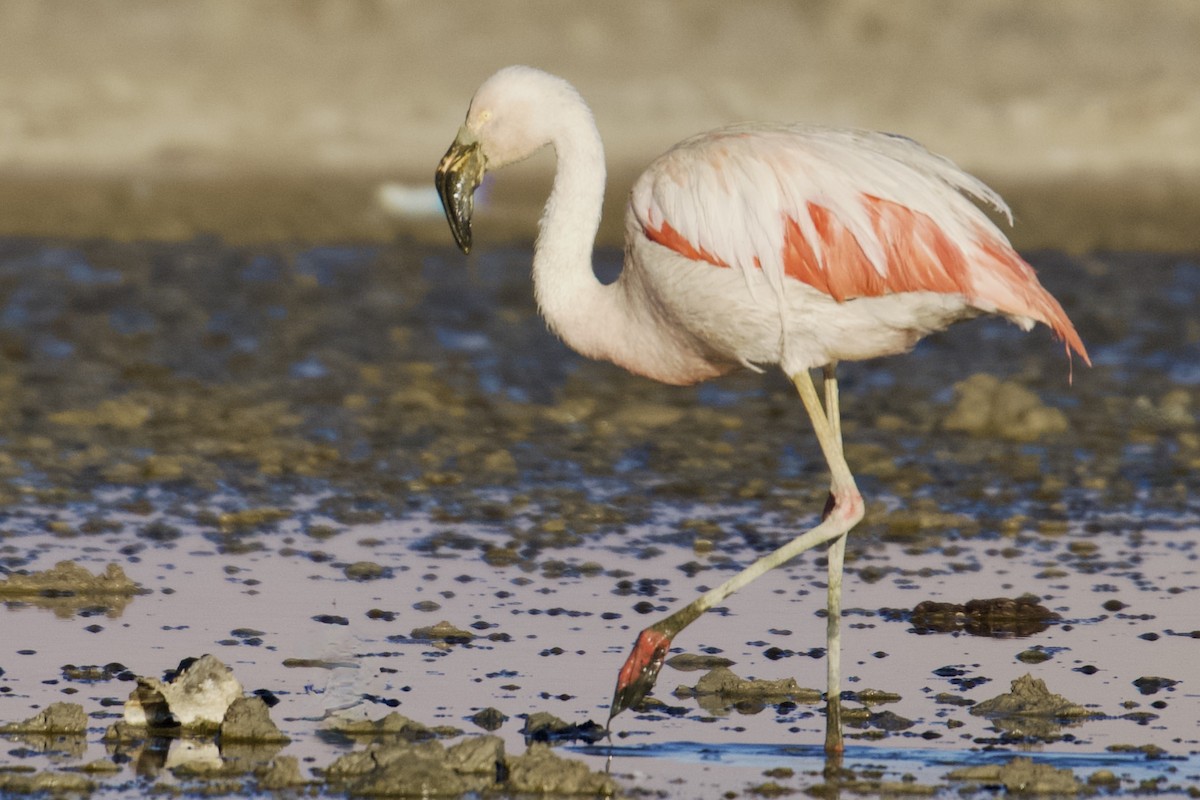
(367,480)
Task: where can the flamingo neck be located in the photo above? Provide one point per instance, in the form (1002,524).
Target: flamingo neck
(577,307)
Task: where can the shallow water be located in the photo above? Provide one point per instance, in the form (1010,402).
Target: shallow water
(236,426)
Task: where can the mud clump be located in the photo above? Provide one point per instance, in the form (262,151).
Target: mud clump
(874,697)
(476,765)
(845,782)
(998,617)
(415,769)
(199,698)
(882,721)
(95,673)
(121,413)
(366,571)
(1033,655)
(542,726)
(42,783)
(195,698)
(212,729)
(725,682)
(541,771)
(923,518)
(1021,776)
(250,518)
(66,588)
(1030,710)
(394,724)
(58,728)
(1173,412)
(68,578)
(442,632)
(946,698)
(721,688)
(248,720)
(490,719)
(769,789)
(56,718)
(986,406)
(1030,697)
(280,773)
(1148,750)
(1149,684)
(692,662)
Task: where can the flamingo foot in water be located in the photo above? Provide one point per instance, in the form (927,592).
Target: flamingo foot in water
(640,670)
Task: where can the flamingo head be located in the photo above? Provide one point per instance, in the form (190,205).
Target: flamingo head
(512,115)
(637,676)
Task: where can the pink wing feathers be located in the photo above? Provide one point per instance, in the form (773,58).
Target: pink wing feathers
(850,213)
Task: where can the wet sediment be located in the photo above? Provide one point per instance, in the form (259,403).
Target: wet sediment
(277,401)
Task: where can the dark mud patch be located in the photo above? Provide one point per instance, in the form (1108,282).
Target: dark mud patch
(542,726)
(1149,684)
(997,616)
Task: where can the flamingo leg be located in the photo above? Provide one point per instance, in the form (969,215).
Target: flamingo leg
(832,405)
(640,670)
(836,557)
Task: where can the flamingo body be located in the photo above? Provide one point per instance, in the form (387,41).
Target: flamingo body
(845,245)
(748,246)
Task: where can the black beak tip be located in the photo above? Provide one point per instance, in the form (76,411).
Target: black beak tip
(461,233)
(456,194)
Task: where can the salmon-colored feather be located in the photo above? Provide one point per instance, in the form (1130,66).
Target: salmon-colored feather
(812,226)
(1008,281)
(920,257)
(669,237)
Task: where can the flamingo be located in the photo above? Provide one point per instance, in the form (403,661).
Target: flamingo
(748,246)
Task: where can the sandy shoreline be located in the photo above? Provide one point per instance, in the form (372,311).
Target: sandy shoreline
(278,119)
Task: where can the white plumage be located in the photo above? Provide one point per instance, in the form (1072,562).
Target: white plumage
(728,190)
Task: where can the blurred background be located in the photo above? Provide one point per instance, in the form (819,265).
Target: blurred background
(280,119)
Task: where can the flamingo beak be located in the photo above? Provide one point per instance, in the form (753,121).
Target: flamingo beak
(637,677)
(457,177)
